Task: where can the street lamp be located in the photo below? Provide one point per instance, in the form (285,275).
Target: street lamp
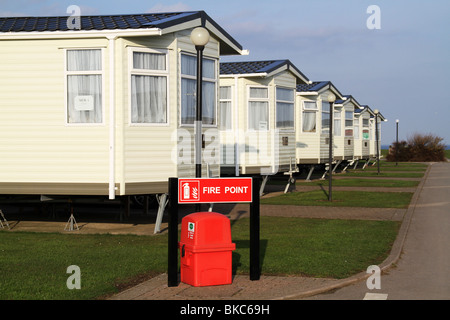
(331,98)
(376,137)
(396,146)
(199,37)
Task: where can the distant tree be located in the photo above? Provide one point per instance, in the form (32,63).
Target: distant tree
(419,148)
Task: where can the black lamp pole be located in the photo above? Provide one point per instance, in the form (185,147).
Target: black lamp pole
(331,99)
(198,118)
(396,146)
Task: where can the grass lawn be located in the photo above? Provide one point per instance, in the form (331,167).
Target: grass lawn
(388,174)
(343,199)
(361,183)
(34,265)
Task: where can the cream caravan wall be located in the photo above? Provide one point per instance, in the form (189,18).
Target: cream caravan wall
(145,149)
(307,143)
(36,143)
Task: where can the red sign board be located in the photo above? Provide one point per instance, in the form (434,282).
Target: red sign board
(222,190)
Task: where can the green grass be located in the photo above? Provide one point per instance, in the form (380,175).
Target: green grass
(374,173)
(316,247)
(34,265)
(361,183)
(343,199)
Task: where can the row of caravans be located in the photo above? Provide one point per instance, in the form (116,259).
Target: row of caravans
(278,121)
(107,109)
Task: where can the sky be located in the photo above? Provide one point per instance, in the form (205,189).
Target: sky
(402,67)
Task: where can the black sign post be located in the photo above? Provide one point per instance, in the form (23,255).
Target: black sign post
(172,260)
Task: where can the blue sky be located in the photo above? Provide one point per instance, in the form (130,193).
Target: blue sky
(402,69)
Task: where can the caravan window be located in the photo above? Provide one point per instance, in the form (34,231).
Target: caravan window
(309,116)
(356,128)
(337,122)
(189,90)
(285,108)
(84,86)
(149,76)
(258,108)
(348,123)
(325,116)
(225,111)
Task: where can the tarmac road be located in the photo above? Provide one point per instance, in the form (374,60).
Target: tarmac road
(423,270)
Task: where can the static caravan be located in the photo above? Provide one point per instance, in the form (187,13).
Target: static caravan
(364,127)
(257,116)
(376,118)
(313,123)
(344,128)
(107,107)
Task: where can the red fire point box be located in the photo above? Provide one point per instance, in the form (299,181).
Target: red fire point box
(206,249)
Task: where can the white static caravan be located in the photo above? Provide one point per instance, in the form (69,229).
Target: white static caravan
(344,128)
(98,110)
(363,132)
(257,116)
(313,117)
(376,118)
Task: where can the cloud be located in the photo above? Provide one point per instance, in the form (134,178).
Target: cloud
(177,7)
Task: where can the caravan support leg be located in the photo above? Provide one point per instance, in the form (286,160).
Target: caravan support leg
(308,178)
(348,164)
(337,164)
(162,201)
(356,164)
(365,164)
(263,185)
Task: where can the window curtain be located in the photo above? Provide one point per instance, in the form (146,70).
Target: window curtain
(309,121)
(337,123)
(149,61)
(258,112)
(84,87)
(309,117)
(225,111)
(84,60)
(258,115)
(148,99)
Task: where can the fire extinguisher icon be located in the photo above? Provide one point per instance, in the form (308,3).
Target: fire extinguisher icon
(186,191)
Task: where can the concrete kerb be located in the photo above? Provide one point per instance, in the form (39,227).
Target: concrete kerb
(393,257)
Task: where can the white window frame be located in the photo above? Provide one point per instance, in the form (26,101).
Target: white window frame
(230,100)
(148,72)
(356,128)
(346,126)
(305,110)
(321,117)
(250,99)
(292,102)
(205,79)
(66,83)
(337,117)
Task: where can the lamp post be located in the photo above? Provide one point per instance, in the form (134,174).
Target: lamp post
(377,140)
(199,37)
(396,146)
(331,98)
